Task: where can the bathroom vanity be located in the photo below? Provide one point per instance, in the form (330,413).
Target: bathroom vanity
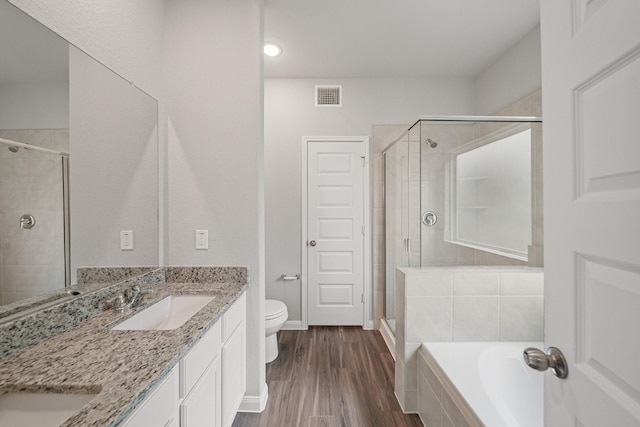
(191,375)
(206,387)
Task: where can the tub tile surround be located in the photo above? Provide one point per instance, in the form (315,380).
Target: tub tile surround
(121,366)
(439,403)
(479,303)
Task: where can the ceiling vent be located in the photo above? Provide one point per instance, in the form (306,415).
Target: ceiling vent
(328,96)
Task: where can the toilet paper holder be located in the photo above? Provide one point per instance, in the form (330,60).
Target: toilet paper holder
(285,276)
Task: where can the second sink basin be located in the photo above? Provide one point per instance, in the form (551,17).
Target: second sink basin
(39,409)
(168,313)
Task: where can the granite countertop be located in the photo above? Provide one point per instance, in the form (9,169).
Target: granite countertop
(121,366)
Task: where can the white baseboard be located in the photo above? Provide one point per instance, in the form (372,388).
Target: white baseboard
(254,403)
(296,325)
(368,325)
(293,325)
(400,402)
(389,337)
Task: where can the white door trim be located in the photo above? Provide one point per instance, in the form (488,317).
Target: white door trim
(366,221)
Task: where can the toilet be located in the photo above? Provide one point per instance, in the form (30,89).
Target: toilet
(275,316)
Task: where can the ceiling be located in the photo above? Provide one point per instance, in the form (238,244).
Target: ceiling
(392,38)
(329,38)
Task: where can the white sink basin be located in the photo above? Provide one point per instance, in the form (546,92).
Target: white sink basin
(39,409)
(168,313)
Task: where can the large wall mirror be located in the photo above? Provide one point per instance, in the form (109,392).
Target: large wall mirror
(57,102)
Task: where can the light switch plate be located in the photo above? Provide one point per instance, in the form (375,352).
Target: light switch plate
(202,239)
(126,240)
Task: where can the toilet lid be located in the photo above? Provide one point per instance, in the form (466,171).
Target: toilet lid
(273,308)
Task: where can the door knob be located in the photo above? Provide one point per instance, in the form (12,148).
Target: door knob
(312,243)
(553,359)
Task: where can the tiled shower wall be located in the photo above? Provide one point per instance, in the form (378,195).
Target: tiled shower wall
(31,261)
(462,304)
(435,250)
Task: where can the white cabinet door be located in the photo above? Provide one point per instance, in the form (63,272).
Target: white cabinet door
(233,377)
(193,365)
(201,407)
(233,360)
(591,100)
(160,408)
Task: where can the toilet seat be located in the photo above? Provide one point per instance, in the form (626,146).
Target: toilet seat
(273,309)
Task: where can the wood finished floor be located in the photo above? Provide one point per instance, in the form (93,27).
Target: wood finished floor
(330,376)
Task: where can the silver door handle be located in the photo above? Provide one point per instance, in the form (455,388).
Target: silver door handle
(553,359)
(312,243)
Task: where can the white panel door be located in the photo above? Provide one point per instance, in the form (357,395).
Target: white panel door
(591,104)
(335,233)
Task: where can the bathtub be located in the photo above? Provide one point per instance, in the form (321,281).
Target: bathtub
(487,382)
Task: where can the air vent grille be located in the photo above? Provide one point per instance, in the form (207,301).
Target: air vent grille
(328,96)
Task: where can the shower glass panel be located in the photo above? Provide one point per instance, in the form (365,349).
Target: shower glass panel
(396,178)
(402,199)
(414,200)
(462,191)
(32,231)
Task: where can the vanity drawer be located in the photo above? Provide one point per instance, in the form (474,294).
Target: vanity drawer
(235,315)
(160,407)
(193,365)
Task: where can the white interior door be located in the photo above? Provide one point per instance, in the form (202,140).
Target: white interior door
(335,231)
(591,104)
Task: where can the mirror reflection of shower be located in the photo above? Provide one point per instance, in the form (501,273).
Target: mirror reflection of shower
(15,146)
(33,260)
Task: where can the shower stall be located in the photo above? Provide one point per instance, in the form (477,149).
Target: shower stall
(34,206)
(462,191)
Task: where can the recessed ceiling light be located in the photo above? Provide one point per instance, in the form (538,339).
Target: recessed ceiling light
(272,49)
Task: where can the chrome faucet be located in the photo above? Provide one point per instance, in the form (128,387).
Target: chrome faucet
(134,296)
(128,299)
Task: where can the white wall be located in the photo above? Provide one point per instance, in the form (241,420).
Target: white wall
(213,87)
(34,106)
(114,187)
(290,114)
(511,77)
(124,35)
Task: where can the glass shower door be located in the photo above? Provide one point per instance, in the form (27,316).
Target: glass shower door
(396,202)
